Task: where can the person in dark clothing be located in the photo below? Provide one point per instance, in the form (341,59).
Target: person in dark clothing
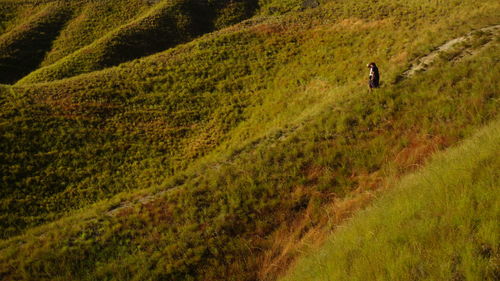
(374,80)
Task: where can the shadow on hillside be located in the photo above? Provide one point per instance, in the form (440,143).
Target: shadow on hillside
(24,48)
(166,25)
(176,24)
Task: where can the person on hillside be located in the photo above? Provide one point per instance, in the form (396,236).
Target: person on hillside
(374,78)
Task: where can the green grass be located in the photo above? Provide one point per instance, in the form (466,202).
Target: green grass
(7,14)
(438,224)
(244,130)
(165,25)
(23,48)
(182,104)
(96,35)
(92,20)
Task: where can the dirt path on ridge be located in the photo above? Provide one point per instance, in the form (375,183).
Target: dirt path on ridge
(423,63)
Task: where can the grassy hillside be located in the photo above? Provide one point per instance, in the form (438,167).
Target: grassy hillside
(92,20)
(23,48)
(100,34)
(193,163)
(439,224)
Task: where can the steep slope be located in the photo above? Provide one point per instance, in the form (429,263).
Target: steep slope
(23,48)
(105,33)
(439,224)
(230,139)
(91,21)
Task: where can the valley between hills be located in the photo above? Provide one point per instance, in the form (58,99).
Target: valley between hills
(238,140)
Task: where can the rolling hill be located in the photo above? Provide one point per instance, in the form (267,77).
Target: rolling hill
(439,224)
(66,38)
(216,140)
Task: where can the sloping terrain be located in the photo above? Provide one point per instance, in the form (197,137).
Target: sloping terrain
(23,48)
(216,158)
(439,224)
(93,35)
(458,48)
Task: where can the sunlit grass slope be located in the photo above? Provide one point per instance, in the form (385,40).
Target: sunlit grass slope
(69,143)
(165,25)
(99,34)
(23,48)
(438,224)
(92,20)
(34,34)
(214,145)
